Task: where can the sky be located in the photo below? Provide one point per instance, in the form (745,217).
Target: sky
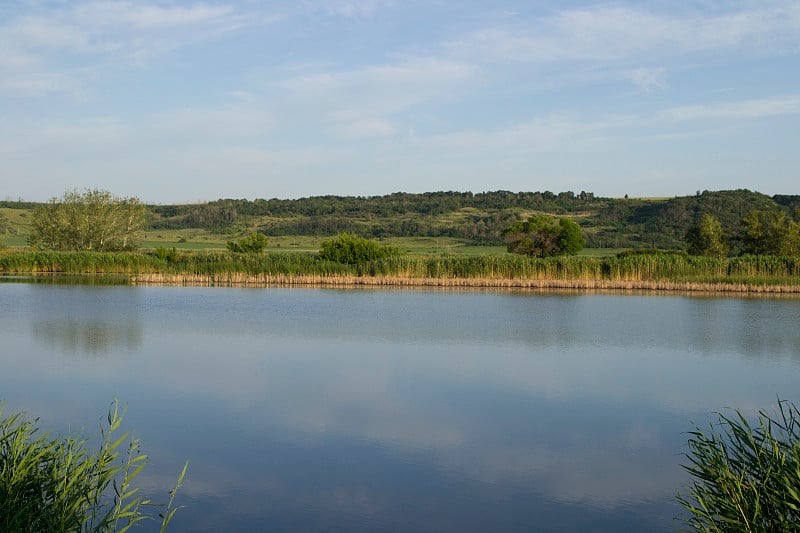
(175,102)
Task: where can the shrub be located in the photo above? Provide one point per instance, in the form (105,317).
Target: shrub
(349,249)
(57,485)
(169,255)
(252,244)
(746,478)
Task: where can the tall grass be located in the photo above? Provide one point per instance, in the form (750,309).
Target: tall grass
(751,270)
(745,477)
(58,485)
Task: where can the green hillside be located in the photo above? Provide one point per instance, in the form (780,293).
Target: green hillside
(466,217)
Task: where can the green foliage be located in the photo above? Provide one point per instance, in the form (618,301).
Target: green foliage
(349,249)
(543,236)
(92,220)
(480,217)
(58,485)
(745,477)
(570,238)
(650,265)
(769,233)
(169,255)
(706,237)
(255,243)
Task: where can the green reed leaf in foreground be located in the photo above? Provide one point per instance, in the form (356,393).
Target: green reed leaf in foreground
(745,477)
(56,485)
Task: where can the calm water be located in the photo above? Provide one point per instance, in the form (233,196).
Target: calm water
(321,410)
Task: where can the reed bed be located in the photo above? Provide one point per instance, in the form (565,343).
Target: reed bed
(635,271)
(265,280)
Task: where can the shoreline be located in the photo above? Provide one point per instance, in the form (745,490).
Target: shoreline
(240,280)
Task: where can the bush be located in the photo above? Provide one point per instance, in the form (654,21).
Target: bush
(170,255)
(348,249)
(252,244)
(57,485)
(746,478)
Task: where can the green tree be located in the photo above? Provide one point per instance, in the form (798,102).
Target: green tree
(544,236)
(92,220)
(706,237)
(349,249)
(769,233)
(255,243)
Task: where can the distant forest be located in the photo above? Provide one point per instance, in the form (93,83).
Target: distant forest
(477,217)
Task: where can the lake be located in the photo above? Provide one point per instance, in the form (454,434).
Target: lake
(399,410)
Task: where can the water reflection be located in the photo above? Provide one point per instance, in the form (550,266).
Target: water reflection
(105,280)
(376,410)
(86,319)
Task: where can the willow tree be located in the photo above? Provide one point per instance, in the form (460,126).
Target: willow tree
(92,220)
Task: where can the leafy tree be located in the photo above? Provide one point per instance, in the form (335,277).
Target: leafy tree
(570,238)
(349,249)
(707,237)
(255,243)
(92,220)
(544,236)
(769,233)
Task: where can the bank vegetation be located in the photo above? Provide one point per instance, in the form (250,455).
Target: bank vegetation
(663,271)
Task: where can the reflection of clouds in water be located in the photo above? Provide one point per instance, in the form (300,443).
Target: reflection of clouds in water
(311,396)
(490,417)
(463,405)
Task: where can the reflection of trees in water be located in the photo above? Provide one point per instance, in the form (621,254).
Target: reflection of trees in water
(753,327)
(89,338)
(88,320)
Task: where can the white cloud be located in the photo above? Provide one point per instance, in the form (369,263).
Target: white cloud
(105,14)
(647,79)
(36,83)
(362,102)
(741,110)
(39,32)
(351,9)
(367,127)
(611,33)
(51,51)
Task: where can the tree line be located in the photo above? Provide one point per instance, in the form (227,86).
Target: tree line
(759,233)
(745,221)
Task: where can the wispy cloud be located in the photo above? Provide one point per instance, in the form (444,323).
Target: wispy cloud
(609,32)
(647,79)
(139,15)
(45,50)
(741,110)
(360,103)
(351,9)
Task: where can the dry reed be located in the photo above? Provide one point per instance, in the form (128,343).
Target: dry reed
(264,280)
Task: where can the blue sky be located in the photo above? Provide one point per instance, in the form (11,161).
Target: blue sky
(184,101)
